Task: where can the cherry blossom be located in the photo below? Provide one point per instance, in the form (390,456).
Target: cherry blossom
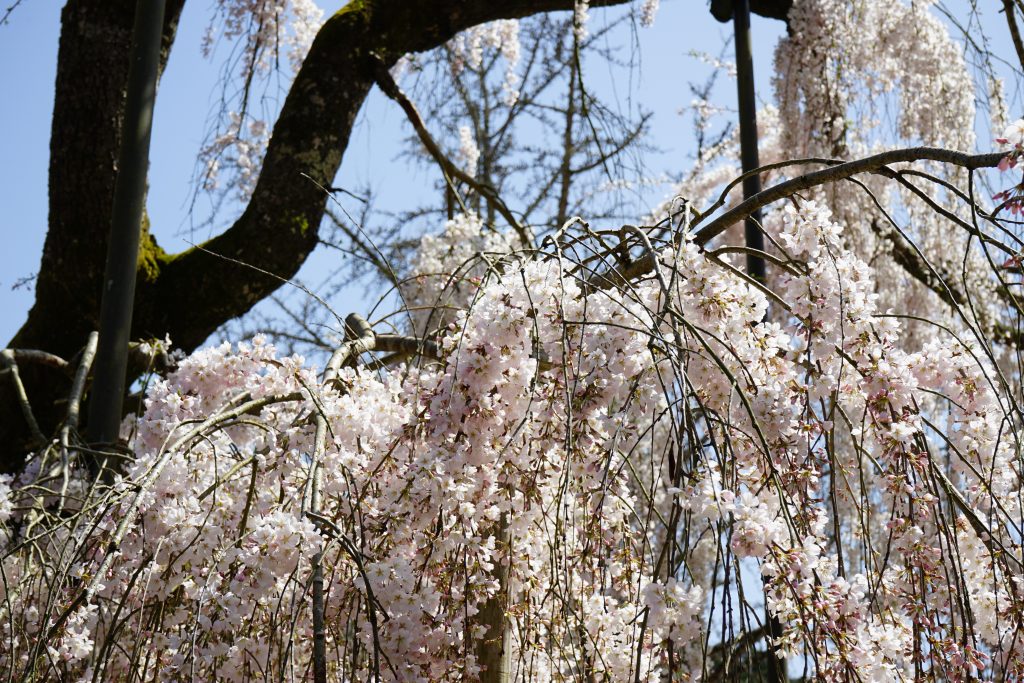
(625,477)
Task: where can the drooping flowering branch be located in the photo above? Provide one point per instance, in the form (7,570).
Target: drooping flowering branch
(609,499)
(562,481)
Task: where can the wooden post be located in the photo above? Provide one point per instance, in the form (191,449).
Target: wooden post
(494,651)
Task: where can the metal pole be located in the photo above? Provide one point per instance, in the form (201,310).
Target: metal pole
(752,225)
(754,237)
(748,132)
(126,223)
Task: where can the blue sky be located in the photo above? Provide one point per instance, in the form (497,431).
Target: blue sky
(28,49)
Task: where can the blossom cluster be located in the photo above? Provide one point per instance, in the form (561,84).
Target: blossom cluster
(1012,141)
(612,480)
(590,464)
(503,36)
(263,26)
(447,269)
(240,148)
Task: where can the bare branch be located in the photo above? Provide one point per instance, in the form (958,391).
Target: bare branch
(450,170)
(878,163)
(1010,8)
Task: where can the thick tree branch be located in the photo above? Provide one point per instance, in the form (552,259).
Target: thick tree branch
(278,229)
(878,163)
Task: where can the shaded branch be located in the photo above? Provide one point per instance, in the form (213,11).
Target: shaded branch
(38,357)
(78,390)
(10,366)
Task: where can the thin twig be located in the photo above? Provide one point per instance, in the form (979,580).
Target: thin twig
(10,10)
(7,360)
(1011,23)
(390,88)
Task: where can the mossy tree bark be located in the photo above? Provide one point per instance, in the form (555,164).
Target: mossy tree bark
(189,295)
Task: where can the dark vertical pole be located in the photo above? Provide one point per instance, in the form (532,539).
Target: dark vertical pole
(752,225)
(126,222)
(748,131)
